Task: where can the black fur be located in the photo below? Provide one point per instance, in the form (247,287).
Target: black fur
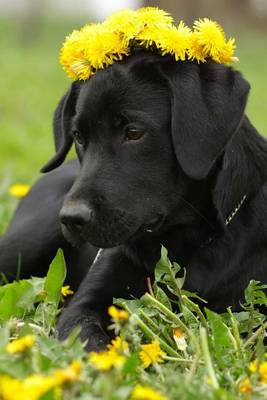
(197,155)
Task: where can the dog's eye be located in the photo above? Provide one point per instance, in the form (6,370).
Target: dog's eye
(134,134)
(78,138)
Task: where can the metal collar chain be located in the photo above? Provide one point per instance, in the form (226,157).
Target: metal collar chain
(227,221)
(231,216)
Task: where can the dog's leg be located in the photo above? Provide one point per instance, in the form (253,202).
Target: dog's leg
(115,273)
(34,234)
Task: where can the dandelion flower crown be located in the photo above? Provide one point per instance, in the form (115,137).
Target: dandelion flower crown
(96,46)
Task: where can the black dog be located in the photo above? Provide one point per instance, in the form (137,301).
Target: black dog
(166,156)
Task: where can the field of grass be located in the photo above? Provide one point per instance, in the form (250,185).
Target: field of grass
(158,353)
(195,356)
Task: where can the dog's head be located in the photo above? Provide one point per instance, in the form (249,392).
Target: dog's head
(143,130)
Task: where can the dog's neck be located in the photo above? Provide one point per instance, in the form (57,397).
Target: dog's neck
(237,176)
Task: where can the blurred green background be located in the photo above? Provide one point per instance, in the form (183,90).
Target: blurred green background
(32,83)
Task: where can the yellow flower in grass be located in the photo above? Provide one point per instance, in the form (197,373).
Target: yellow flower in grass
(106,360)
(10,389)
(146,393)
(66,291)
(263,372)
(245,386)
(19,190)
(151,353)
(118,315)
(69,374)
(31,388)
(118,345)
(35,386)
(21,344)
(254,365)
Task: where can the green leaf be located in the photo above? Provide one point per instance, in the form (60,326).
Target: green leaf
(131,364)
(17,298)
(222,337)
(254,294)
(55,278)
(161,265)
(162,297)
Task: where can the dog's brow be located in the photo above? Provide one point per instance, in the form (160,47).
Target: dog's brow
(139,115)
(80,122)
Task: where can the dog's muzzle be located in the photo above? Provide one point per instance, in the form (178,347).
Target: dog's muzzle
(102,227)
(74,218)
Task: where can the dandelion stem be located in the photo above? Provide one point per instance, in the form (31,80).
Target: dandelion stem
(175,284)
(255,335)
(167,312)
(180,359)
(193,368)
(197,310)
(207,357)
(236,333)
(149,333)
(155,326)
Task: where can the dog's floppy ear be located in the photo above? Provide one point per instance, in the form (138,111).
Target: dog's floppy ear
(208,102)
(61,124)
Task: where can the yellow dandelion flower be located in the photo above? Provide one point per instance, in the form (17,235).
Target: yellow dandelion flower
(19,190)
(151,353)
(10,388)
(31,388)
(21,344)
(69,374)
(35,386)
(118,344)
(96,46)
(226,54)
(123,21)
(263,372)
(102,46)
(151,21)
(72,57)
(148,37)
(106,360)
(146,393)
(175,41)
(118,315)
(209,381)
(66,291)
(152,17)
(211,36)
(195,50)
(253,366)
(245,386)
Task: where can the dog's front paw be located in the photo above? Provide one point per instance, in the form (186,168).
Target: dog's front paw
(92,333)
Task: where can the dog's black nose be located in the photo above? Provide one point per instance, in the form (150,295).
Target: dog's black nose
(75,216)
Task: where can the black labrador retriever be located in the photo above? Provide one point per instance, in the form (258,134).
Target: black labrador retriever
(166,156)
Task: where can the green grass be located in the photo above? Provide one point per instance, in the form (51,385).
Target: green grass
(196,355)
